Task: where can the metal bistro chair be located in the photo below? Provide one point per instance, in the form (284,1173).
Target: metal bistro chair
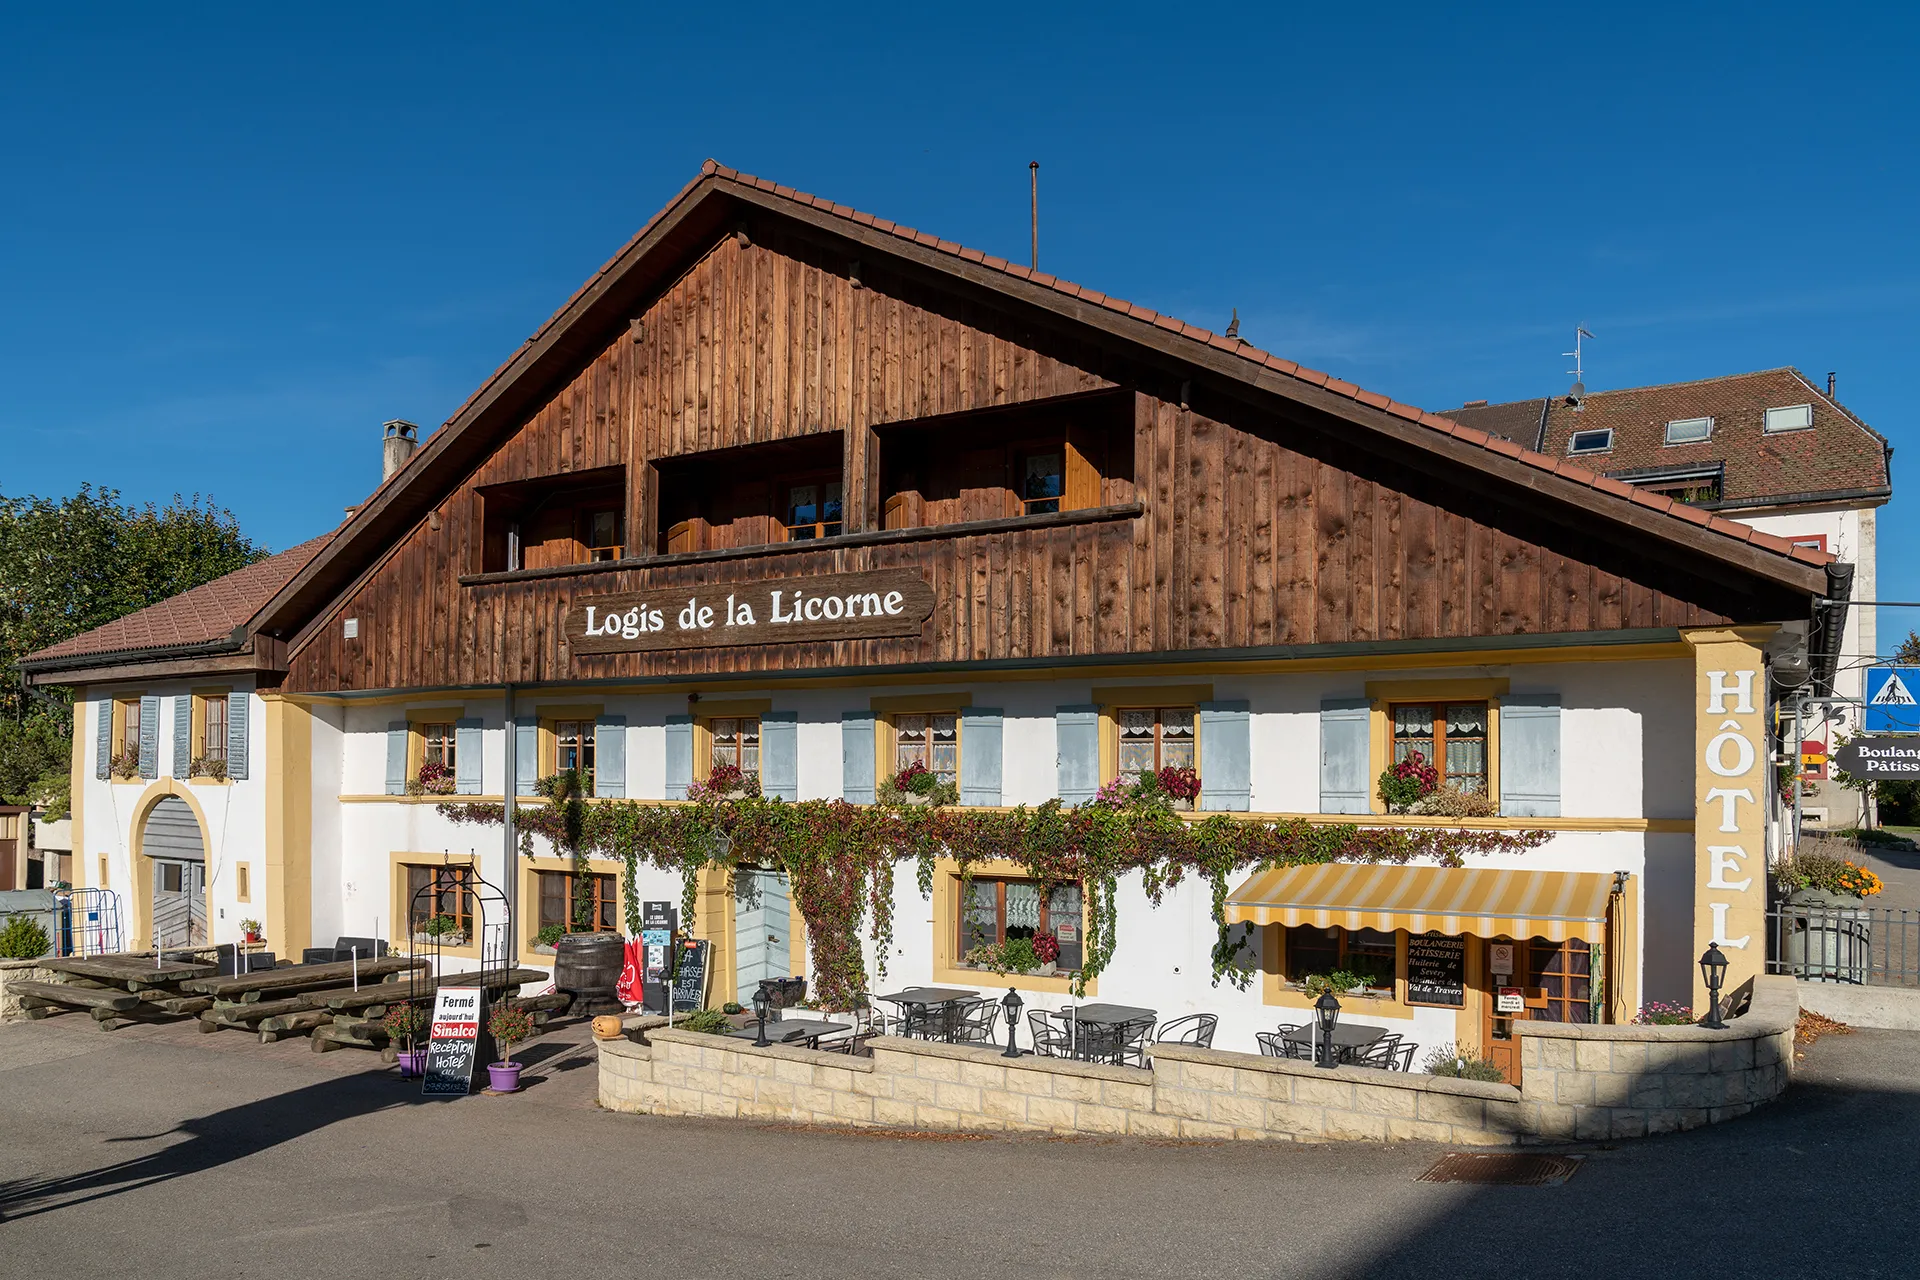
(1403,1056)
(1379,1055)
(1049,1037)
(869,1020)
(1292,1048)
(925,1021)
(1271,1045)
(973,1021)
(1129,1043)
(1195,1029)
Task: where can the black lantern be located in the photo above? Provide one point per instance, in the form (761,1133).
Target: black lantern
(1011,1003)
(761,1003)
(1713,971)
(1326,1011)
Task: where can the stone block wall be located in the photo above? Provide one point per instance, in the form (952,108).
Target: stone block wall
(12,971)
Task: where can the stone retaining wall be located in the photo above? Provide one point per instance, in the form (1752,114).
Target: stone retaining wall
(12,971)
(1579,1082)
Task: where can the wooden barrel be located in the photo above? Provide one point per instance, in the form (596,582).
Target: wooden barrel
(588,965)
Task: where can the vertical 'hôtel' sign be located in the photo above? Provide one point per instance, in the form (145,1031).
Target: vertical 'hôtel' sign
(835,606)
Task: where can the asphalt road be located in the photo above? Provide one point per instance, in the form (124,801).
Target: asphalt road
(155,1153)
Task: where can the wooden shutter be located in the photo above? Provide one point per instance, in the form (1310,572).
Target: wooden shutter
(1078,760)
(237,703)
(856,757)
(610,756)
(104,737)
(679,756)
(780,754)
(526,754)
(980,738)
(1344,757)
(1530,755)
(182,735)
(150,736)
(468,743)
(397,731)
(1226,767)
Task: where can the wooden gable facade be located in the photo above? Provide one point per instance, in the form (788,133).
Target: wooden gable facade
(1200,513)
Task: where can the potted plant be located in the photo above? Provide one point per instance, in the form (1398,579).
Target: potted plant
(404,1023)
(124,766)
(434,779)
(509,1024)
(916,787)
(726,782)
(1182,786)
(214,767)
(251,929)
(1408,782)
(1046,947)
(1014,956)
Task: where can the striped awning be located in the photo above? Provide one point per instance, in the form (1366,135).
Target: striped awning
(1487,903)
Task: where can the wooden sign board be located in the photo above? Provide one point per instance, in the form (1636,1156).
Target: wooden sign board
(453,1041)
(690,979)
(834,606)
(1437,970)
(1510,1000)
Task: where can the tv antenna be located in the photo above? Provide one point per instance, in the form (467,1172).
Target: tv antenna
(1577,392)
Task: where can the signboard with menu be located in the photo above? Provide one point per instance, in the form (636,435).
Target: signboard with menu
(453,1041)
(690,978)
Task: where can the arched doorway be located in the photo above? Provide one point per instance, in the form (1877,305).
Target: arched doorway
(170,838)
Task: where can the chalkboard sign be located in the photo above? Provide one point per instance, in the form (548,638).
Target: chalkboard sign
(1437,970)
(690,979)
(453,1040)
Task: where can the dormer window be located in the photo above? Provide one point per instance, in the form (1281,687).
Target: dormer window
(1591,441)
(1043,481)
(1793,417)
(813,510)
(1689,430)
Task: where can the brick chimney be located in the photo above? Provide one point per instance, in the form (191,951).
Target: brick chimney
(401,439)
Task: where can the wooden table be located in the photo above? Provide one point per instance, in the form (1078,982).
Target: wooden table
(132,971)
(248,987)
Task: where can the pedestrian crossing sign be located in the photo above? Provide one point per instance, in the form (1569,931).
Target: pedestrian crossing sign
(1892,706)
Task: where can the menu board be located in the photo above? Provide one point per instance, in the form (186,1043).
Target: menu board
(453,1039)
(690,979)
(1437,970)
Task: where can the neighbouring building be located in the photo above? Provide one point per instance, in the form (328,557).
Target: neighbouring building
(794,488)
(1770,449)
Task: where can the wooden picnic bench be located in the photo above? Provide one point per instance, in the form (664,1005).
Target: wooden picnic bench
(249,987)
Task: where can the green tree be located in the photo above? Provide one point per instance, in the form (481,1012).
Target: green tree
(71,564)
(1908,654)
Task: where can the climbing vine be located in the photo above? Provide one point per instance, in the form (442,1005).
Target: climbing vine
(840,859)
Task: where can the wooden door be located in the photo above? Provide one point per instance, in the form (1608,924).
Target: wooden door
(179,903)
(1498,1041)
(762,929)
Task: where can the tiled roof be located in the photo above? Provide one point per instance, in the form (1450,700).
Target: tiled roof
(1838,454)
(208,612)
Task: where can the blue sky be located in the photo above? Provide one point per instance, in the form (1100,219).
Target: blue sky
(233,241)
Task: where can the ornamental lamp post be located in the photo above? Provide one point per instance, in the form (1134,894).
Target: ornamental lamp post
(1713,971)
(1326,1011)
(1011,1002)
(761,1003)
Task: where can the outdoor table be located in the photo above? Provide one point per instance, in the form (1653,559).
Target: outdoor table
(1098,1018)
(924,998)
(1348,1038)
(788,1030)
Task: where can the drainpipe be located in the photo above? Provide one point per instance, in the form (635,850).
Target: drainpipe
(511,864)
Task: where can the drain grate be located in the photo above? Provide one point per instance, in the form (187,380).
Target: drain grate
(1503,1170)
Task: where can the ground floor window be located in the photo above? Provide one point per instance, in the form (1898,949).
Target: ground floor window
(556,901)
(996,911)
(1348,958)
(1562,973)
(444,911)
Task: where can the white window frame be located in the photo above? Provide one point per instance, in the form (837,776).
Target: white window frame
(1770,429)
(1689,422)
(1575,452)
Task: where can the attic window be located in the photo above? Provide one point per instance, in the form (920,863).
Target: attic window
(1689,430)
(1794,417)
(1591,441)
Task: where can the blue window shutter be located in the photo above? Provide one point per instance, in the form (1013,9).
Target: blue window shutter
(610,756)
(397,731)
(150,736)
(679,756)
(104,752)
(1226,751)
(237,740)
(182,735)
(980,738)
(856,757)
(468,743)
(780,754)
(1530,755)
(526,754)
(1078,731)
(1344,757)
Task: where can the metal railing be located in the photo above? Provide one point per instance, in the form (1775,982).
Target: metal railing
(1867,946)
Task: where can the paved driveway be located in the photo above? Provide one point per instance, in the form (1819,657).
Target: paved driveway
(159,1153)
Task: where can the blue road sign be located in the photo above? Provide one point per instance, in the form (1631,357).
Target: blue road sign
(1893,700)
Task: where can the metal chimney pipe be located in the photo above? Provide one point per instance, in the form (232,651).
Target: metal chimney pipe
(1033,174)
(1830,381)
(400,440)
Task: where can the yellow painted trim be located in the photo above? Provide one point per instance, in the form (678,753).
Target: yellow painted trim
(1276,991)
(243,882)
(1653,652)
(946,922)
(435,715)
(289,825)
(141,935)
(707,710)
(397,924)
(713,920)
(911,702)
(1438,690)
(76,799)
(530,869)
(1758,633)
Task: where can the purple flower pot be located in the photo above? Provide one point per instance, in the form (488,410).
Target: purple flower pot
(412,1062)
(504,1076)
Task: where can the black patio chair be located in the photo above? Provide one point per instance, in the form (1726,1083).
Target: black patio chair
(1271,1045)
(1403,1056)
(1127,1045)
(973,1021)
(1301,1049)
(1195,1029)
(1049,1036)
(1379,1055)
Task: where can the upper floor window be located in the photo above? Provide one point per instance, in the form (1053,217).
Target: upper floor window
(1793,417)
(553,521)
(1043,481)
(1689,430)
(573,749)
(129,743)
(813,510)
(213,727)
(1155,738)
(1451,736)
(1591,441)
(736,742)
(437,744)
(930,740)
